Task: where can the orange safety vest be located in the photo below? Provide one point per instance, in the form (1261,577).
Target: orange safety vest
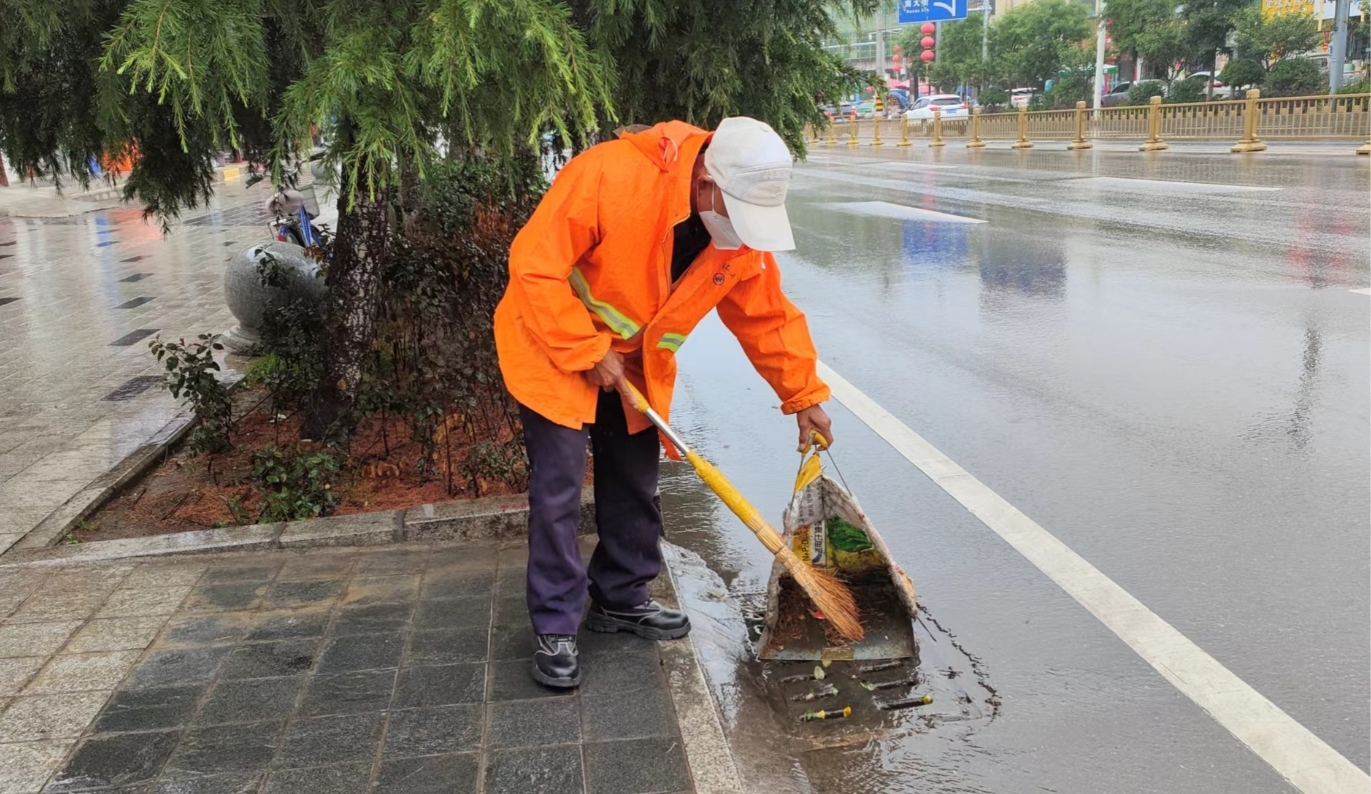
(592,269)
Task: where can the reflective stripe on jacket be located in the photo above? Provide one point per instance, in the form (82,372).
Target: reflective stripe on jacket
(592,269)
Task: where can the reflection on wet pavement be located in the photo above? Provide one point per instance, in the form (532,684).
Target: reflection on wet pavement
(1170,376)
(80,295)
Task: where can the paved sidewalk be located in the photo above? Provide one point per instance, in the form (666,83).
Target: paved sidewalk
(79,298)
(401,668)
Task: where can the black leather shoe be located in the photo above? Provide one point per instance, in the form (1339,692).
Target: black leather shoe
(649,620)
(555,663)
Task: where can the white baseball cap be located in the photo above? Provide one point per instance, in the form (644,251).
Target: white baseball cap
(751,165)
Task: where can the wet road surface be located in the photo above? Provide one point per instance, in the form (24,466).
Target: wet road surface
(1160,360)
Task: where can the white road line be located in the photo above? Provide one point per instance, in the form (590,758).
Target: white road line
(1366,291)
(885,209)
(1299,756)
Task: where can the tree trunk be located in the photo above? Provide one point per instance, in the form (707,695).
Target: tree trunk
(354,274)
(409,191)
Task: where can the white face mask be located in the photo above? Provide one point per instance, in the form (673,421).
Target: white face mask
(720,229)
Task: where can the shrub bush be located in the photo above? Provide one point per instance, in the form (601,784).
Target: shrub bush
(1242,73)
(1184,92)
(1364,87)
(190,377)
(993,96)
(1292,76)
(1141,93)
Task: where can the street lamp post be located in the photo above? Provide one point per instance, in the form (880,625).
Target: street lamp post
(985,30)
(1337,46)
(1098,92)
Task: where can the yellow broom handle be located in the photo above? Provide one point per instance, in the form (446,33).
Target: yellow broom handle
(712,477)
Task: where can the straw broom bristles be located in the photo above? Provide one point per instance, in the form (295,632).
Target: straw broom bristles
(829,594)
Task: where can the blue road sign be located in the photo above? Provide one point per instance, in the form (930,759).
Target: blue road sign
(932,10)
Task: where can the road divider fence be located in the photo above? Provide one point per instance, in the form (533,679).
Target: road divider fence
(1246,121)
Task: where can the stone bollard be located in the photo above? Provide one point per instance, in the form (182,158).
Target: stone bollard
(904,131)
(248,298)
(975,142)
(1250,142)
(1079,142)
(1154,142)
(937,129)
(1022,142)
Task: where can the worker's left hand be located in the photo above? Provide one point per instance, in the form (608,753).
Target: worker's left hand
(814,420)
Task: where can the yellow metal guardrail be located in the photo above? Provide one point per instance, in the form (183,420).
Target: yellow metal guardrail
(1246,121)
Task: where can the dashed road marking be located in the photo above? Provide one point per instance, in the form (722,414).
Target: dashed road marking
(885,209)
(1366,291)
(1302,758)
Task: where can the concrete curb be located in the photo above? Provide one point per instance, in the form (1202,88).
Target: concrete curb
(490,518)
(706,747)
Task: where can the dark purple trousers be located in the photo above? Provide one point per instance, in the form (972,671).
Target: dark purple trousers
(628,513)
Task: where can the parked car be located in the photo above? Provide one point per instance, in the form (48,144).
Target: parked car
(841,110)
(1020,97)
(951,106)
(866,109)
(1118,95)
(1220,90)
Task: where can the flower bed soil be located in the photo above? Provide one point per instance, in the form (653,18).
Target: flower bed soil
(381,471)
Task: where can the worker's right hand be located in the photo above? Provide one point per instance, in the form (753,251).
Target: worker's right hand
(609,373)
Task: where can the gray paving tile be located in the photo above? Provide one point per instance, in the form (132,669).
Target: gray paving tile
(436,774)
(221,628)
(255,573)
(29,764)
(362,652)
(308,592)
(529,723)
(251,700)
(288,624)
(41,717)
(459,613)
(325,564)
(15,672)
(643,766)
(449,646)
(512,642)
(348,693)
(468,558)
(220,749)
(271,659)
(534,770)
(458,584)
(46,606)
(336,779)
(225,597)
(390,562)
(154,709)
(628,715)
(159,600)
(232,783)
(179,667)
(116,634)
(321,741)
(610,673)
(434,731)
(511,611)
(116,759)
(373,619)
(512,681)
(382,590)
(35,639)
(440,685)
(82,672)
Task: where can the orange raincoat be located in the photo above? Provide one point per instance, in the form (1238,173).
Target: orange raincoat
(592,270)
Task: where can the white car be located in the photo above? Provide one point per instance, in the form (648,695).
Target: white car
(1020,97)
(950,106)
(1221,91)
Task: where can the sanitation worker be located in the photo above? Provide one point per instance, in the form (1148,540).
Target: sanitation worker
(635,242)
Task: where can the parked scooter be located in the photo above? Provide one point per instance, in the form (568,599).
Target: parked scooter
(293,209)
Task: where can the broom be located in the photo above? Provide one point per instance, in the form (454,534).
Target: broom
(830,596)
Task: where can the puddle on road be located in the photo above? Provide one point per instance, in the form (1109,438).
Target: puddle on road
(923,748)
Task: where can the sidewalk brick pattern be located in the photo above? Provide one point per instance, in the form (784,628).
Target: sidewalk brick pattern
(401,669)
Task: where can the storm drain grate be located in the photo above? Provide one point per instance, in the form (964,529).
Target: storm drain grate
(3,301)
(135,276)
(135,303)
(133,337)
(132,388)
